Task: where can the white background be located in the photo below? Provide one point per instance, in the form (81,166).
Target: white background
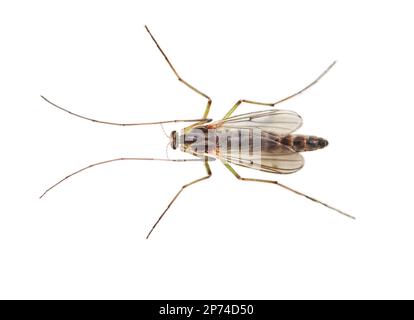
(222,238)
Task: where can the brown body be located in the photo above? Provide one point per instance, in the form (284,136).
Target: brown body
(257,149)
(209,140)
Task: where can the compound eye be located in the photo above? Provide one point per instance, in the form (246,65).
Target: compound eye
(173,140)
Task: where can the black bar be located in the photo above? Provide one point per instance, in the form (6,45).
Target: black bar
(189,309)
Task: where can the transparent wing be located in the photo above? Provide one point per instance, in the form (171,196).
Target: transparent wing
(269,155)
(280,122)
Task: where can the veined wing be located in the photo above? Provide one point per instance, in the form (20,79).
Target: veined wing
(280,122)
(269,155)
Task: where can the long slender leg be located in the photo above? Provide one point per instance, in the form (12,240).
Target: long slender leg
(286,187)
(178,193)
(123,124)
(207,109)
(272,104)
(109,161)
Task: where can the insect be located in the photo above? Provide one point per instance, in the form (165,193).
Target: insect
(262,140)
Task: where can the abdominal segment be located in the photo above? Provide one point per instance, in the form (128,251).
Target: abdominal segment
(301,143)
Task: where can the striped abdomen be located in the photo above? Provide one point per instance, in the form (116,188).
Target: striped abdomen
(301,143)
(225,141)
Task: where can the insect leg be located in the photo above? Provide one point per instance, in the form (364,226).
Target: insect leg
(272,104)
(208,170)
(207,109)
(109,161)
(286,187)
(118,123)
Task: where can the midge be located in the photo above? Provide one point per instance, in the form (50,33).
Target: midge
(262,140)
